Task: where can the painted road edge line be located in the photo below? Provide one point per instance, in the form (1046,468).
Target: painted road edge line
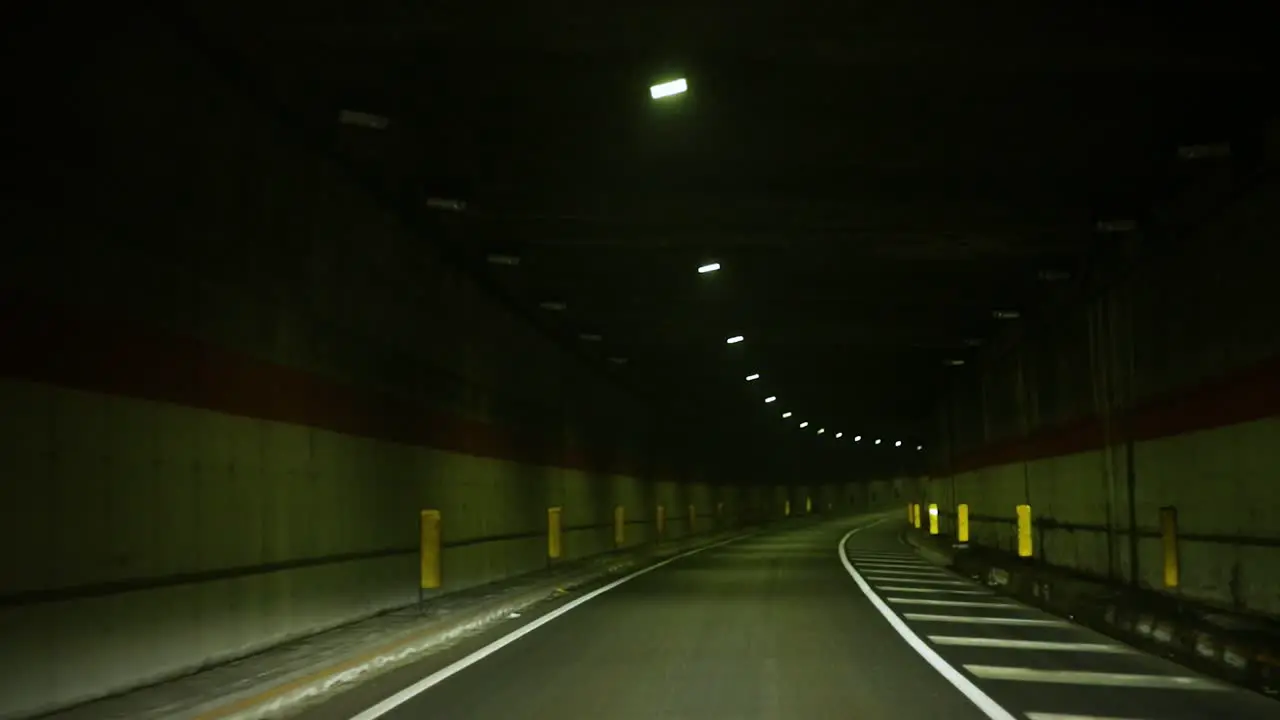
(989,707)
(1057,716)
(435,678)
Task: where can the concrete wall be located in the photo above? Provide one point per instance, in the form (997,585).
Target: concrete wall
(142,539)
(232,379)
(1163,392)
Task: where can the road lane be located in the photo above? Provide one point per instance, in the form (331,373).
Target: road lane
(1029,663)
(774,626)
(767,627)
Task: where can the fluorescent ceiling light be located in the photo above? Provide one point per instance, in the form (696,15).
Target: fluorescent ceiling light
(898,444)
(363,119)
(735,339)
(973,342)
(839,435)
(821,430)
(1006,314)
(804,424)
(877,441)
(919,447)
(1053,275)
(618,360)
(553,305)
(771,398)
(591,337)
(675,87)
(954,362)
(436,203)
(503,259)
(786,414)
(857,438)
(709,267)
(753,376)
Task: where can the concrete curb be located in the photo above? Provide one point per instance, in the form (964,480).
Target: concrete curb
(1242,651)
(281,696)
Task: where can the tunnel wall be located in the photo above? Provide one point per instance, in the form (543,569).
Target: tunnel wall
(1163,392)
(231,380)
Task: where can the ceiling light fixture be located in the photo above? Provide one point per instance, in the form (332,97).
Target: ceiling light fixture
(898,444)
(449,204)
(753,376)
(857,438)
(877,441)
(953,362)
(591,337)
(821,430)
(709,267)
(919,447)
(363,119)
(1207,150)
(839,435)
(618,360)
(1115,225)
(973,342)
(735,340)
(667,89)
(786,414)
(804,424)
(771,398)
(503,259)
(554,305)
(1006,314)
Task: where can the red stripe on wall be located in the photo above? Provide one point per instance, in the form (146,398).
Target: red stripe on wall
(60,346)
(1243,396)
(52,344)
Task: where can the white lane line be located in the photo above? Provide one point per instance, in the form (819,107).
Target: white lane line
(913,581)
(908,573)
(1058,716)
(435,678)
(923,617)
(1085,677)
(953,603)
(887,564)
(1006,644)
(893,555)
(989,707)
(946,591)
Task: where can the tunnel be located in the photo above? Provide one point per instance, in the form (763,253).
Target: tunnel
(651,360)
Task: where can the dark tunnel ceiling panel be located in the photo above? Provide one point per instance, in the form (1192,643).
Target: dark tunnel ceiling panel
(874,180)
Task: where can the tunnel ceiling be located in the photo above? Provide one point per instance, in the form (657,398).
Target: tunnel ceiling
(875,182)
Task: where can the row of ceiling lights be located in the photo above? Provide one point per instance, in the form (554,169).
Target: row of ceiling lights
(735,339)
(679,86)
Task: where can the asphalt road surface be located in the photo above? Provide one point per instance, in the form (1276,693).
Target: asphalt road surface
(785,626)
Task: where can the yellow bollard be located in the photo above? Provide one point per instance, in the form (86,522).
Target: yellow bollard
(1024,531)
(808,505)
(619,526)
(1169,542)
(933,518)
(553,532)
(661,520)
(786,508)
(962,523)
(429,549)
(915,515)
